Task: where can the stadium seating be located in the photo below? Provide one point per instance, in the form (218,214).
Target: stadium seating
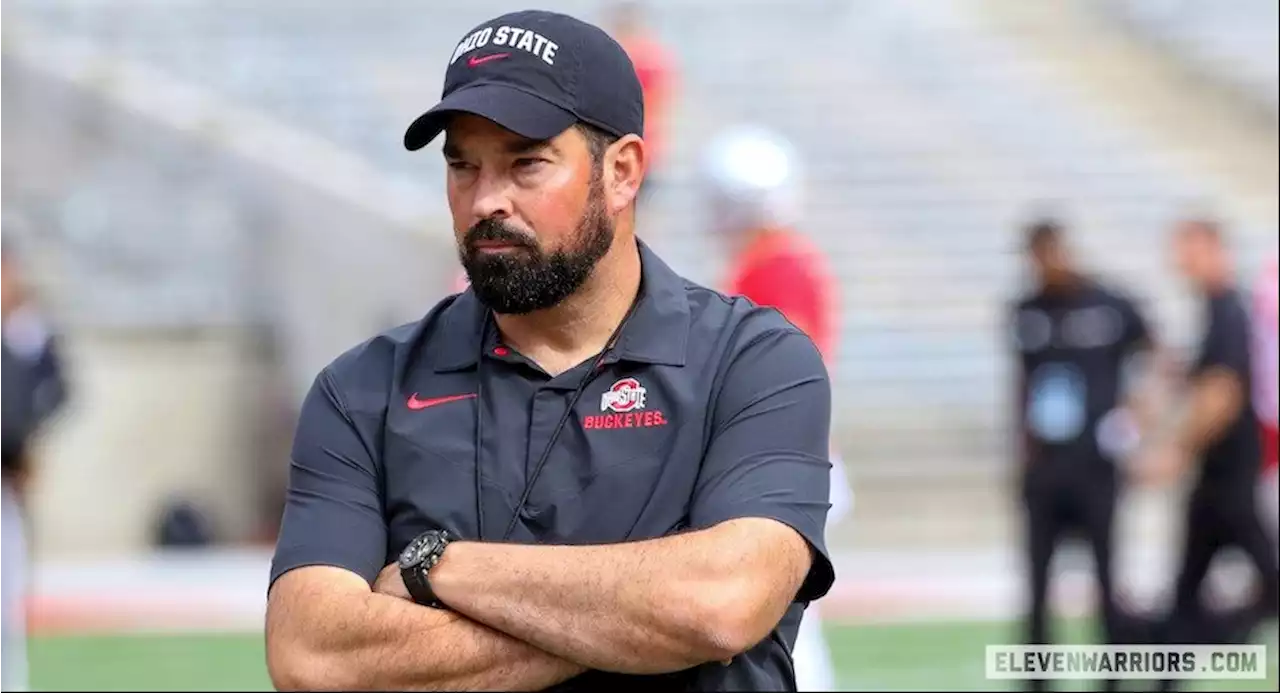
(1234,42)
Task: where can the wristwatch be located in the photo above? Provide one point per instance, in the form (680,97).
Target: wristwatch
(419,557)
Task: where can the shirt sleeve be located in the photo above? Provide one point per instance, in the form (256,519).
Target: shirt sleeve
(1226,345)
(333,508)
(768,452)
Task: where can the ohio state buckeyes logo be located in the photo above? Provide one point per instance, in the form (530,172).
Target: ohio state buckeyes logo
(625,395)
(626,398)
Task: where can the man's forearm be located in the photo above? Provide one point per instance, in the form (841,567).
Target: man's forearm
(1202,414)
(543,595)
(372,641)
(1214,403)
(642,607)
(1196,418)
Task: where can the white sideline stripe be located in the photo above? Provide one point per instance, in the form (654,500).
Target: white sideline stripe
(245,132)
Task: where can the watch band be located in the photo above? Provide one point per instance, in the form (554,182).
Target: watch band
(416,580)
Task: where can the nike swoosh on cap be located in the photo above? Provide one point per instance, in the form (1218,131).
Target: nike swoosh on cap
(476,60)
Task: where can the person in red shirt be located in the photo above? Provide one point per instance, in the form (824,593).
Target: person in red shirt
(656,71)
(754,195)
(751,187)
(780,268)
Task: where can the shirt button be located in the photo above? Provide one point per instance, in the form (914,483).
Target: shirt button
(501,351)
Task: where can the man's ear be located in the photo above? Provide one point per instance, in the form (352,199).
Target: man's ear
(624,169)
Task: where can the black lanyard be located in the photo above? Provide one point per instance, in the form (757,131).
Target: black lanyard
(555,433)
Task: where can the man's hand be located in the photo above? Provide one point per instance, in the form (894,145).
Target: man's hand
(391,583)
(1212,403)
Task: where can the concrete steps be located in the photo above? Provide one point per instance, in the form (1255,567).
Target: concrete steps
(1210,137)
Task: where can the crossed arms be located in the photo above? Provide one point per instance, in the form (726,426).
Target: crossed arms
(528,617)
(532,616)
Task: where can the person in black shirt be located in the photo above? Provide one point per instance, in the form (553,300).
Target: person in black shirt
(34,390)
(1218,432)
(1075,341)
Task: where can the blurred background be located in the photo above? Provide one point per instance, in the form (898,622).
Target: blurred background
(210,200)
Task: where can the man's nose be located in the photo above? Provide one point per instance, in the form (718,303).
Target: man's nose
(492,197)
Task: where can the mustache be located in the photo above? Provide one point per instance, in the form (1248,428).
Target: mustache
(496,231)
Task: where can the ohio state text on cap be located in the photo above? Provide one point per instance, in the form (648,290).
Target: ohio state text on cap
(536,73)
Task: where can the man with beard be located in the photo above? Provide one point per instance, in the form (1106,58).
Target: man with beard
(582,471)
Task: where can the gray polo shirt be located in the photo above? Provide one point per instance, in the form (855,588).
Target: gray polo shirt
(708,408)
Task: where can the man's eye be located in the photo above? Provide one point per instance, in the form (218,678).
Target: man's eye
(528,162)
(459,165)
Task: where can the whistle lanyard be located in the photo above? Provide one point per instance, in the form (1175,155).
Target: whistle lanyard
(555,433)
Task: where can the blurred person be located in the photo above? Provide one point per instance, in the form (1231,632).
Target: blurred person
(656,71)
(1216,432)
(1080,346)
(34,389)
(751,191)
(1266,395)
(584,471)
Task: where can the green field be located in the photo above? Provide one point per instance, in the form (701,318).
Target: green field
(934,656)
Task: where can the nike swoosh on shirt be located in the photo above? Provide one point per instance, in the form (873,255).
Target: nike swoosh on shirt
(417,404)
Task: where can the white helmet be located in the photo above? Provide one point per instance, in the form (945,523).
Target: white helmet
(750,178)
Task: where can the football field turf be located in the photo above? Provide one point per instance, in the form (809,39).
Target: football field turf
(921,656)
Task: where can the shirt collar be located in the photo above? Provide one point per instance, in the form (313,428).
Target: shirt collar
(657,333)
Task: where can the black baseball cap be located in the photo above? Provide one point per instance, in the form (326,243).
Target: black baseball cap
(537,73)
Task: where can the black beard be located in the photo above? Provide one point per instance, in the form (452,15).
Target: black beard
(527,279)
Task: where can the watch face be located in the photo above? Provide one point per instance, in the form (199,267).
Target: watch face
(420,548)
(417,549)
